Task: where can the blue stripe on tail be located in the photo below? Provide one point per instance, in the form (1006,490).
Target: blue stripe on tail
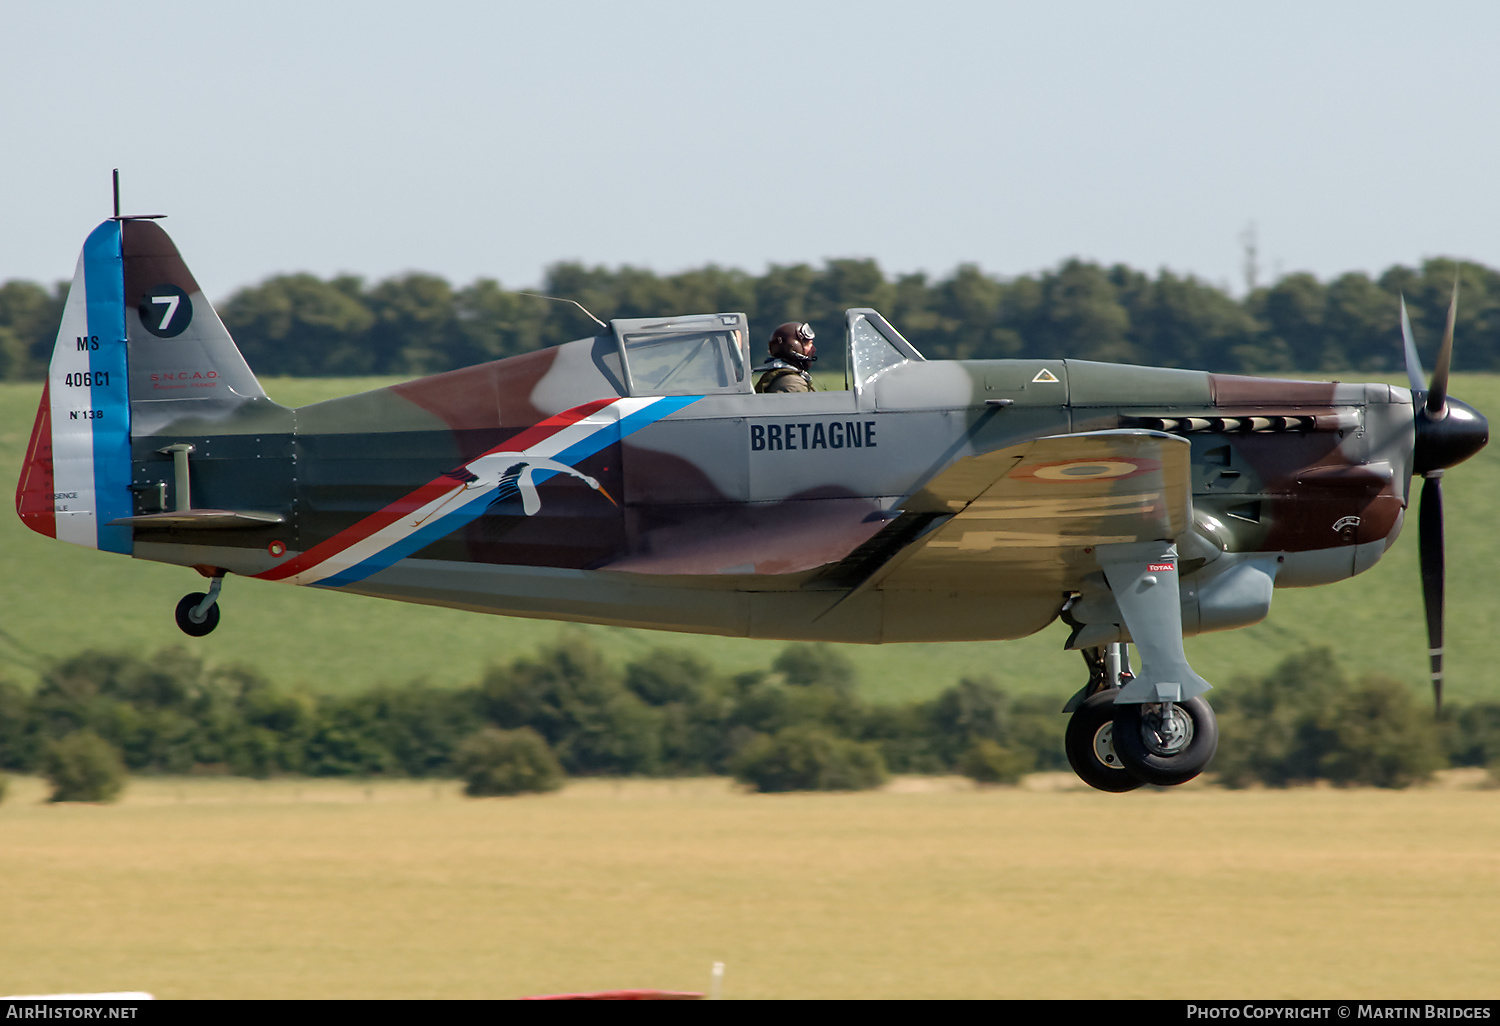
(104,281)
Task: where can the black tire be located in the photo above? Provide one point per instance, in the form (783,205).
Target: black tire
(1137,744)
(1088,745)
(185,620)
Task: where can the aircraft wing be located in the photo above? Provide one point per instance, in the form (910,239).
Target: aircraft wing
(1017,518)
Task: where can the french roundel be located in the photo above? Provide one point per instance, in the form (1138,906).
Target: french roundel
(1107,468)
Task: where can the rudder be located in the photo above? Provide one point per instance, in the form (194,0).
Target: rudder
(77,473)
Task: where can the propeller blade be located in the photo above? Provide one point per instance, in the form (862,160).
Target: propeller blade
(1430,537)
(1437,395)
(1414,372)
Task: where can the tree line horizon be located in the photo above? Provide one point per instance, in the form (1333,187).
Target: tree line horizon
(417,323)
(800,722)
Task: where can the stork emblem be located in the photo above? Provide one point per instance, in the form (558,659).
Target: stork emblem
(511,474)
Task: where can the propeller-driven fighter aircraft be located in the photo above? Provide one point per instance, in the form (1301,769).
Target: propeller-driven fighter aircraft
(636,478)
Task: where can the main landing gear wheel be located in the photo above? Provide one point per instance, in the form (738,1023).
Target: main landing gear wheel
(188,619)
(1090,747)
(1166,742)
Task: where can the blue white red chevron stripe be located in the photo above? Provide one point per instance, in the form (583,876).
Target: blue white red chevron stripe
(457,497)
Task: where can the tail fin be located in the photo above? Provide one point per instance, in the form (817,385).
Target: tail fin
(139,348)
(182,361)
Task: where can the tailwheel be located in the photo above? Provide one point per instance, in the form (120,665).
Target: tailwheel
(1165,743)
(194,620)
(1089,743)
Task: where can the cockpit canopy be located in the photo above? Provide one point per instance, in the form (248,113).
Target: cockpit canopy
(699,355)
(708,354)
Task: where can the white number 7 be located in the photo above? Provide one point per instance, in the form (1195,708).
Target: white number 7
(171,302)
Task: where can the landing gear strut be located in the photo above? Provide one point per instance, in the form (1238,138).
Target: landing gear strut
(197,612)
(1153,728)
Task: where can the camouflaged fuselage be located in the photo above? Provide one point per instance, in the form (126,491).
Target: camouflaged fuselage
(754,515)
(636,478)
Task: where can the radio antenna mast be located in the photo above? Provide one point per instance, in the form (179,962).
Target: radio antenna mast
(575,302)
(130,217)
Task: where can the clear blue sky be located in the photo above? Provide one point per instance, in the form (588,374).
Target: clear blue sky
(492,139)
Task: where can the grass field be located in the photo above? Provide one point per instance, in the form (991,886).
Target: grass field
(220,888)
(56,599)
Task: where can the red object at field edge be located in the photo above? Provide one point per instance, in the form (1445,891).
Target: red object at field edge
(621,995)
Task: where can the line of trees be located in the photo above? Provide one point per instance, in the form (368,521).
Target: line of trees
(797,725)
(302,325)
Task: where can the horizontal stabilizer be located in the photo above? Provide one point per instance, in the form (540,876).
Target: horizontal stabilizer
(199,520)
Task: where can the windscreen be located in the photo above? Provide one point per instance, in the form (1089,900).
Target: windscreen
(872,351)
(687,363)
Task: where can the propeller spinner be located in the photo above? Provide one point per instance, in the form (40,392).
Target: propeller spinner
(1447,433)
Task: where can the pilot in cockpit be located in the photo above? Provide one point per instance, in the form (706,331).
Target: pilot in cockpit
(792,354)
